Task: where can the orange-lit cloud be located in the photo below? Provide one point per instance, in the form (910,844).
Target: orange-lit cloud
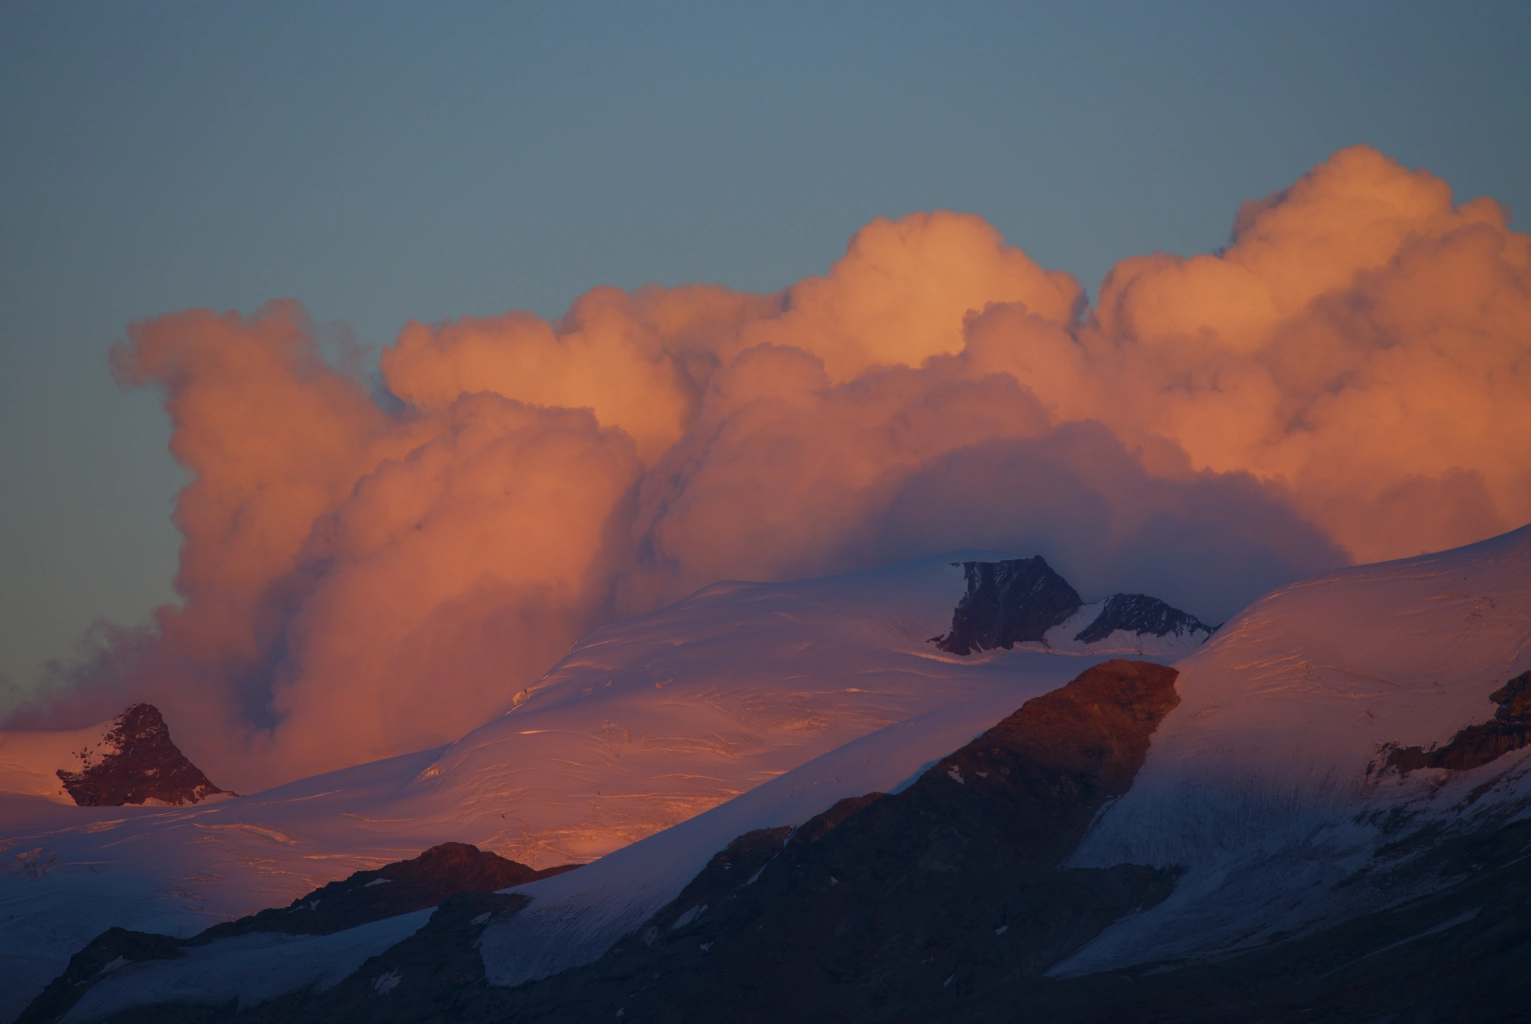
(1349,379)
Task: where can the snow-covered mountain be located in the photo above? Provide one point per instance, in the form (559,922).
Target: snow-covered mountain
(1270,785)
(645,724)
(1335,800)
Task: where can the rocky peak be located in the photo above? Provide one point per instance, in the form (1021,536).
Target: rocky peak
(136,762)
(1009,602)
(1141,614)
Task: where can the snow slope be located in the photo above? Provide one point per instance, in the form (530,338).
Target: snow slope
(30,760)
(249,969)
(1258,783)
(1264,784)
(645,724)
(576,916)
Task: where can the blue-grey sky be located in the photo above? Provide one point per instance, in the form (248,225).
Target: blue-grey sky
(384,162)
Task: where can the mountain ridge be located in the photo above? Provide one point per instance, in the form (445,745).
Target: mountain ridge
(1254,793)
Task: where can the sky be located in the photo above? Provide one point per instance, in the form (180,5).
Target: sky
(387,164)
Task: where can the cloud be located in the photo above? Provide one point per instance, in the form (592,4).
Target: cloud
(1360,333)
(1350,378)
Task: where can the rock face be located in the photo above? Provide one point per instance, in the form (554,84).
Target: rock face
(1141,614)
(1509,729)
(1006,603)
(1022,600)
(139,763)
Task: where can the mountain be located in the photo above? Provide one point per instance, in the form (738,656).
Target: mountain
(1332,805)
(645,725)
(1330,822)
(136,763)
(1022,601)
(870,909)
(395,889)
(1321,814)
(629,885)
(129,759)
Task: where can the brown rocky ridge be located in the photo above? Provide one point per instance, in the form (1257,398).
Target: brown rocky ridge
(1476,745)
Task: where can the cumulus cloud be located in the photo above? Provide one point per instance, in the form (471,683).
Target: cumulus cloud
(1362,340)
(1350,378)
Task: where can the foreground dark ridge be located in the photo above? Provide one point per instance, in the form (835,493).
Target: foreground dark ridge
(399,888)
(140,764)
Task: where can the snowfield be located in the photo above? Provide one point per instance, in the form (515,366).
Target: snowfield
(645,724)
(30,761)
(576,916)
(1258,782)
(660,739)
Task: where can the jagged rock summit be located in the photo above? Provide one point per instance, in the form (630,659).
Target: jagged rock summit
(1024,601)
(1007,603)
(134,763)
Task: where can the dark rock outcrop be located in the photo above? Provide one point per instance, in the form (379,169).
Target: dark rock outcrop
(1007,603)
(1020,599)
(1509,729)
(140,763)
(1141,614)
(398,888)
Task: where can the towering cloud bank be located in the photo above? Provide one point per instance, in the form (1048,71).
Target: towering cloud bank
(1349,379)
